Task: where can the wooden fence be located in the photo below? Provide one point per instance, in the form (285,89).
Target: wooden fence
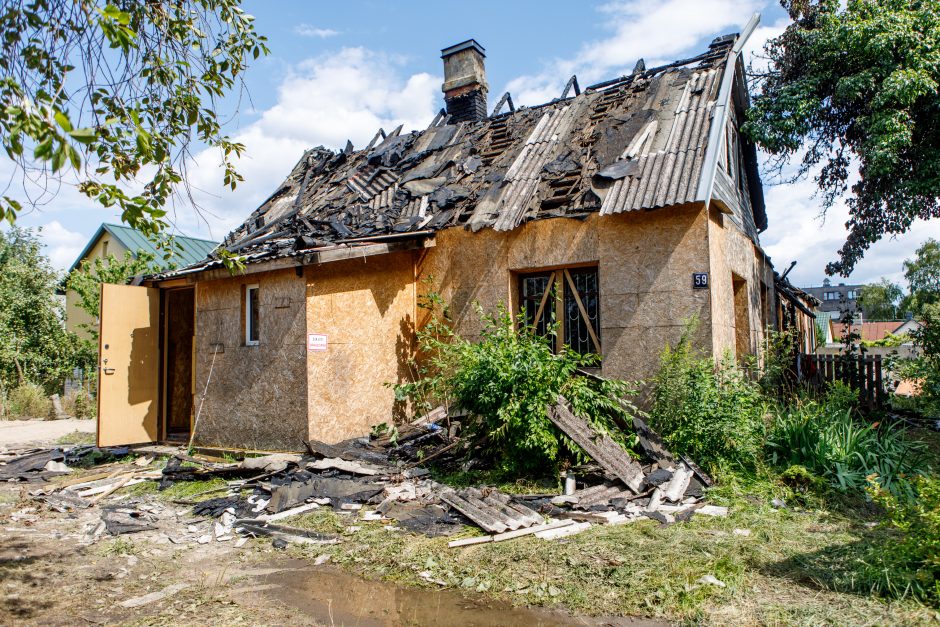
(861,372)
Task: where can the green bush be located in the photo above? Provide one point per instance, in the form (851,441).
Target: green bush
(826,439)
(79,404)
(27,401)
(841,397)
(910,562)
(506,380)
(710,412)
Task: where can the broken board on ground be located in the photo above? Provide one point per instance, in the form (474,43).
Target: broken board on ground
(494,512)
(601,447)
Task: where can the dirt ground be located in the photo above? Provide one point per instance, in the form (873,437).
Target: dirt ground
(58,567)
(26,433)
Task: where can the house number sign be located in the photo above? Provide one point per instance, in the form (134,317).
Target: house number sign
(700,280)
(316,342)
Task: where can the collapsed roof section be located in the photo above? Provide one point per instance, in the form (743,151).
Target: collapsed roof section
(632,143)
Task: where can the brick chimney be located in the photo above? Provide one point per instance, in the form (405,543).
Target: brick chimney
(465,81)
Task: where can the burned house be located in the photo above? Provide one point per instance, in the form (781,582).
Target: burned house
(621,210)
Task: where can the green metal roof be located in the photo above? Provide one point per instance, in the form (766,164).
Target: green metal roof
(186,251)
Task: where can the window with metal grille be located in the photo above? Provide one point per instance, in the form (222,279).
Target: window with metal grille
(570,296)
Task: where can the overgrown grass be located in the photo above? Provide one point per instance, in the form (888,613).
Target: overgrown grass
(827,439)
(181,490)
(77,437)
(796,566)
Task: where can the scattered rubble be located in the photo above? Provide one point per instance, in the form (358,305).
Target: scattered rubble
(376,479)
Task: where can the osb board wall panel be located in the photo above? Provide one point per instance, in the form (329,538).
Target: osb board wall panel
(732,252)
(257,397)
(366,308)
(645,263)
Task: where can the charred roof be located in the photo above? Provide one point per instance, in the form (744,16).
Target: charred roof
(636,142)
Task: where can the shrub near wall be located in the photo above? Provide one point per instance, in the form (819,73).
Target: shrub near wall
(711,412)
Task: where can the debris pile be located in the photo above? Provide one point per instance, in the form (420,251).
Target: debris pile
(370,479)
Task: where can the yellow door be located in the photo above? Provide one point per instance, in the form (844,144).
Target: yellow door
(129,358)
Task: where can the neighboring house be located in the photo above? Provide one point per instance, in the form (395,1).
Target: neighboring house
(823,319)
(116,239)
(871,331)
(836,298)
(620,212)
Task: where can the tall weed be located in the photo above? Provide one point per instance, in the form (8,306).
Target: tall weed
(826,438)
(27,401)
(911,563)
(711,412)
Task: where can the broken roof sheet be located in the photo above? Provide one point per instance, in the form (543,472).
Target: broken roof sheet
(636,142)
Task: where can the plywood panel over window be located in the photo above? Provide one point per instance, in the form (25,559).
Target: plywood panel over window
(568,297)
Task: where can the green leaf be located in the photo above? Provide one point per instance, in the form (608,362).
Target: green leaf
(83,135)
(44,149)
(63,121)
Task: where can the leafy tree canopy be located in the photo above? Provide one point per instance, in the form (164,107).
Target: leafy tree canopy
(34,345)
(923,277)
(880,300)
(116,94)
(858,86)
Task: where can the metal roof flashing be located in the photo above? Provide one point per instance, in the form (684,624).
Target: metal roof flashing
(720,115)
(464,45)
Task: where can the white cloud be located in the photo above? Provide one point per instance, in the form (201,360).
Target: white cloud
(306,30)
(640,29)
(326,100)
(62,245)
(797,231)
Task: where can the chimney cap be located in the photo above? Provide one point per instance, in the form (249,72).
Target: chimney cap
(464,45)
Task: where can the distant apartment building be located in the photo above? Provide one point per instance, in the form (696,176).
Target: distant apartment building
(836,298)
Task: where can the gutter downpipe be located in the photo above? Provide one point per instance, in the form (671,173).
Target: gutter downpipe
(719,118)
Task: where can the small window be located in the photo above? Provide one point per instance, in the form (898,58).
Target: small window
(252,314)
(852,295)
(831,296)
(104,249)
(570,296)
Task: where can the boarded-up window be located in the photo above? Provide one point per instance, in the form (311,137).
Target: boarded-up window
(252,316)
(569,296)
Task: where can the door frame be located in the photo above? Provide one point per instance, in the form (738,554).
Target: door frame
(163,405)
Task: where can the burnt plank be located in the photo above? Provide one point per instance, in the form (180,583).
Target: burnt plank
(601,447)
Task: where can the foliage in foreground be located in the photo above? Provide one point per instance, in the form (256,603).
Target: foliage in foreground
(910,563)
(130,114)
(827,438)
(858,83)
(506,380)
(712,413)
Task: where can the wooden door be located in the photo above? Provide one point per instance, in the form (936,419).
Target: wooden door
(129,363)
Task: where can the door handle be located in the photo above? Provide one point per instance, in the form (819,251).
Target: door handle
(108,370)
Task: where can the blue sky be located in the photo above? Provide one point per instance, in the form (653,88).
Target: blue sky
(341,70)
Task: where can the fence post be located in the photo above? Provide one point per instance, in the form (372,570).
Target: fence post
(879,382)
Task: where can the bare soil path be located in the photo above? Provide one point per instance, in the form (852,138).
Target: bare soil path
(24,433)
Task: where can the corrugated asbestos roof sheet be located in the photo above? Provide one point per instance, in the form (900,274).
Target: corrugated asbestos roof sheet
(636,142)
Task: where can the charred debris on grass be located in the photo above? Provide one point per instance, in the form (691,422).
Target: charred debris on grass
(381,479)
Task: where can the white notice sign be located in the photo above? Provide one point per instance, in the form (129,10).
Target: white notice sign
(316,342)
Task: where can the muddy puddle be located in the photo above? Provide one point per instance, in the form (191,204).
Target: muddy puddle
(327,595)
